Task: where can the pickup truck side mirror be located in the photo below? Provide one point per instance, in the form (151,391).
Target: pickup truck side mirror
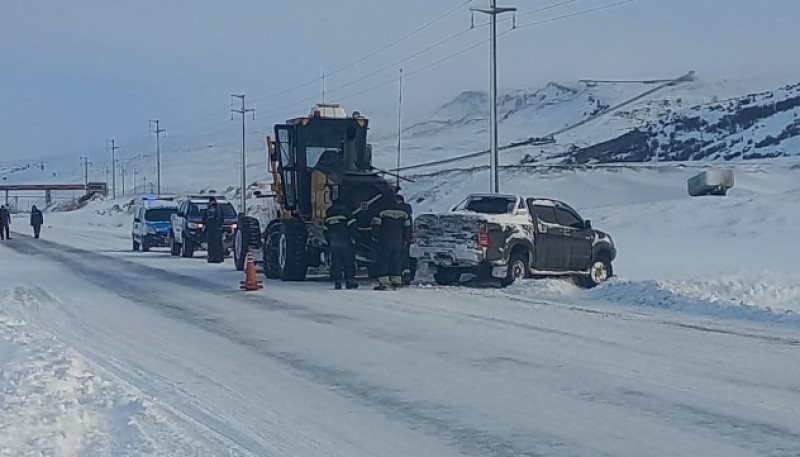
(587,224)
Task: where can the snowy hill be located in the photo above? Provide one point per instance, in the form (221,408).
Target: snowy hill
(763,125)
(460,126)
(551,124)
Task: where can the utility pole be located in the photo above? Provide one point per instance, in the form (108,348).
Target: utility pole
(114,148)
(106,178)
(134,181)
(399,127)
(493,11)
(85,162)
(122,173)
(243,112)
(158,131)
(323,85)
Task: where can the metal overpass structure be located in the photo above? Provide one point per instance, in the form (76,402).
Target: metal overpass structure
(48,189)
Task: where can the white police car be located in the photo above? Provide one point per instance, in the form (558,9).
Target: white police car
(151,222)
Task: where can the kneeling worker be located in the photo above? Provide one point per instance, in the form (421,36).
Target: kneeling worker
(339,227)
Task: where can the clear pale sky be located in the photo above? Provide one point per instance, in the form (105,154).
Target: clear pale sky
(74,73)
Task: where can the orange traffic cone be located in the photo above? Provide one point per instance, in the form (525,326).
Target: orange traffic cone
(251,281)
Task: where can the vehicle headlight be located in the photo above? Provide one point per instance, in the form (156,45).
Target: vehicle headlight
(151,230)
(193,225)
(234,227)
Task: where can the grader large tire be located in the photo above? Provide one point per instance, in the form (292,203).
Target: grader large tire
(272,269)
(248,236)
(292,255)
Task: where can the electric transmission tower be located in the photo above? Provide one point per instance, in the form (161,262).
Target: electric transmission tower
(493,11)
(113,148)
(154,128)
(243,112)
(86,163)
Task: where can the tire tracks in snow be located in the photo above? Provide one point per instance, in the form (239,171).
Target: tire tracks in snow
(435,418)
(432,417)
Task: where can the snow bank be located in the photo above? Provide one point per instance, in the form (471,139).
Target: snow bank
(772,302)
(51,403)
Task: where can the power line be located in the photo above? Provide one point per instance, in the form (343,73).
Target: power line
(578,13)
(283,108)
(371,54)
(544,8)
(390,66)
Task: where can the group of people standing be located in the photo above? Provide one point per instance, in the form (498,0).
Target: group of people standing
(391,229)
(37,220)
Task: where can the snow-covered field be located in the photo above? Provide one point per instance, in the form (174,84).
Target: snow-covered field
(690,351)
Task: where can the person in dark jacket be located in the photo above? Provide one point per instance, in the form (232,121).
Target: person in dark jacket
(407,253)
(339,230)
(212,226)
(37,220)
(392,230)
(5,223)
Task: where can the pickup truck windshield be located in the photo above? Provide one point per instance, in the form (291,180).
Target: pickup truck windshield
(199,208)
(488,205)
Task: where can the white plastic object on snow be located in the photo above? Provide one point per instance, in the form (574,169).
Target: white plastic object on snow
(711,182)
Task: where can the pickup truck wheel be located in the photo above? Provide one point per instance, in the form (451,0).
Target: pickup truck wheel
(446,276)
(599,272)
(135,246)
(174,247)
(144,247)
(517,268)
(187,249)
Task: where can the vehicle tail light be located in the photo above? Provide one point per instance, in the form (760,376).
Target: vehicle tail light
(483,236)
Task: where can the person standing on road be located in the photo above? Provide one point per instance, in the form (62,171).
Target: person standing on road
(407,253)
(212,225)
(392,230)
(339,226)
(37,220)
(5,223)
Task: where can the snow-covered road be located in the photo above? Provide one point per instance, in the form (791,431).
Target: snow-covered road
(117,353)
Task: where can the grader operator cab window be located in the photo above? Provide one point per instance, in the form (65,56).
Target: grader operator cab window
(334,146)
(284,145)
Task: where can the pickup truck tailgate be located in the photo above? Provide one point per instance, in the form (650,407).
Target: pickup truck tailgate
(447,238)
(447,230)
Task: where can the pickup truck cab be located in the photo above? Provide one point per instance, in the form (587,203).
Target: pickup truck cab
(151,223)
(188,233)
(510,237)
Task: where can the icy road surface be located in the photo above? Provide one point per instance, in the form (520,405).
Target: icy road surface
(119,353)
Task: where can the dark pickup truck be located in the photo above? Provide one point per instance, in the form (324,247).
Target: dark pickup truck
(510,237)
